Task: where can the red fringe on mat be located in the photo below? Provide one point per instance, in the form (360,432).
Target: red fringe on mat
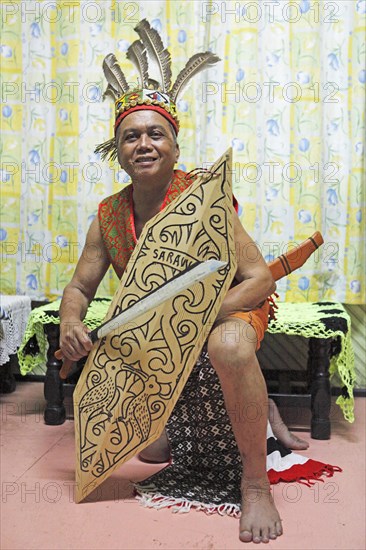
(307,473)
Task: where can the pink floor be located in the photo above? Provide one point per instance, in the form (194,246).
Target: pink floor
(38,511)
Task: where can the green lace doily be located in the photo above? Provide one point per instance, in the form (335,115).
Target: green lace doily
(317,320)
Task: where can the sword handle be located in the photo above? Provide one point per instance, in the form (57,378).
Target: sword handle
(93,335)
(66,364)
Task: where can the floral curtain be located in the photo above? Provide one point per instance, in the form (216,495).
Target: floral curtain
(288,96)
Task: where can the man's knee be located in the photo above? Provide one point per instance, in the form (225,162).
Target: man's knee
(232,345)
(234,332)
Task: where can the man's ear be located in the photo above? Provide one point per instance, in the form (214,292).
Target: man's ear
(177,153)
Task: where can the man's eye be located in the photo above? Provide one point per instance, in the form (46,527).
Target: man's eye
(130,137)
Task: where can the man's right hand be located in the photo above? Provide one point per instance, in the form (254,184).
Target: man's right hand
(74,339)
(74,344)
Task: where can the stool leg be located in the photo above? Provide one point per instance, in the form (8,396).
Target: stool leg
(54,413)
(7,378)
(318,364)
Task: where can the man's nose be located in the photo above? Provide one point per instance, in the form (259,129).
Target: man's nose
(144,141)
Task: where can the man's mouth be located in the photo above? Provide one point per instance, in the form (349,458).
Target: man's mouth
(145,160)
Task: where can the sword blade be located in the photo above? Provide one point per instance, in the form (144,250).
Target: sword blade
(168,290)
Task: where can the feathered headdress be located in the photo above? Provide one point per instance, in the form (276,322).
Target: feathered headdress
(151,94)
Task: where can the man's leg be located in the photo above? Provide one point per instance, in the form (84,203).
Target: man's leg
(231,347)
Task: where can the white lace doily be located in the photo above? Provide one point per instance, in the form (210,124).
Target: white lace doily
(14,313)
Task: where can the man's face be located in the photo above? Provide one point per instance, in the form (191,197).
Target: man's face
(146,146)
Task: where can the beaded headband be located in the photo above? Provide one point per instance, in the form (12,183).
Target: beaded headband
(151,95)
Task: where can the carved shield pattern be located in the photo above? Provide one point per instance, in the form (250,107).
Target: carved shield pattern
(134,376)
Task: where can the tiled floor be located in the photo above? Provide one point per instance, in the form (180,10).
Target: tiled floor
(38,510)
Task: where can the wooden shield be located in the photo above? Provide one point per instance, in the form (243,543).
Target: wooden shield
(134,376)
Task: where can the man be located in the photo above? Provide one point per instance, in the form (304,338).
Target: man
(147,151)
(145,143)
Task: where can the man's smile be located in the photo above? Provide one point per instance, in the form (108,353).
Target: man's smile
(145,160)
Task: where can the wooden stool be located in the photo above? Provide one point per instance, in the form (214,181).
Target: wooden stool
(327,328)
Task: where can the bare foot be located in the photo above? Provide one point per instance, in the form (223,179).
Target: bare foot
(282,432)
(259,521)
(157,452)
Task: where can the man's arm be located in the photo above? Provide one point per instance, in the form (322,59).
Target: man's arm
(89,272)
(255,282)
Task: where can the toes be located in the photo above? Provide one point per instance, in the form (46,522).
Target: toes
(299,447)
(297,444)
(279,530)
(302,445)
(261,535)
(257,535)
(245,536)
(275,530)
